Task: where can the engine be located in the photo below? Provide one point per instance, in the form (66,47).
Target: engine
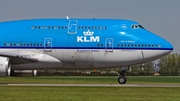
(5,69)
(5,66)
(23,73)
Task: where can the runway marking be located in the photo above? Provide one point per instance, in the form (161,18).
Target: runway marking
(98,85)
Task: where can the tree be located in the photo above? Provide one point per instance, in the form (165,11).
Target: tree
(170,64)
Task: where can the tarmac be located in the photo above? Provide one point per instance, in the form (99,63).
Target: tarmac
(97,85)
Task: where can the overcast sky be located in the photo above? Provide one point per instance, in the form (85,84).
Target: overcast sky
(159,16)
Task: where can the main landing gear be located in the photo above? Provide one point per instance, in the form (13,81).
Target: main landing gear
(122,79)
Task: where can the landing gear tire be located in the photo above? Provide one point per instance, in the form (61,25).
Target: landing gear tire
(122,79)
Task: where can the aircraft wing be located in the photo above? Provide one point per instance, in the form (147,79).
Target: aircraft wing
(21,57)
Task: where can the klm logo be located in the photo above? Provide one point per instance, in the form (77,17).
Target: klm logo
(88,37)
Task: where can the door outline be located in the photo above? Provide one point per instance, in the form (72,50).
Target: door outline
(72,27)
(47,44)
(109,45)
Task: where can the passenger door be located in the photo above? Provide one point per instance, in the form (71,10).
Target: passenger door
(109,45)
(48,45)
(72,27)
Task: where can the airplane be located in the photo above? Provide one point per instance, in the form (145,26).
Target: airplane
(66,43)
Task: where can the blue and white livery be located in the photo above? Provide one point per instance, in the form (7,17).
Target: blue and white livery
(77,44)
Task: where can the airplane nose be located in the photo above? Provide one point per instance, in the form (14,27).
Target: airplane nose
(164,48)
(166,45)
(169,47)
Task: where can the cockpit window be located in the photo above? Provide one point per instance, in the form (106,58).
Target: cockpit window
(140,26)
(135,26)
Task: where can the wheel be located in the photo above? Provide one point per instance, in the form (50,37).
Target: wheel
(122,79)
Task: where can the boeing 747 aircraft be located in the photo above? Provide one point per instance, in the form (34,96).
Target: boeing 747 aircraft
(77,44)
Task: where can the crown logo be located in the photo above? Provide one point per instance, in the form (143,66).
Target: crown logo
(88,33)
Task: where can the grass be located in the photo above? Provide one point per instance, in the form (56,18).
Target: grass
(89,94)
(88,80)
(29,93)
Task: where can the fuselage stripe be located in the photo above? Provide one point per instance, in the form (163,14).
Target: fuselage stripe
(115,48)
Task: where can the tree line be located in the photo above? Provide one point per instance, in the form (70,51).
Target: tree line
(168,65)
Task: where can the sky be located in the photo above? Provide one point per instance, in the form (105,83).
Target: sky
(161,17)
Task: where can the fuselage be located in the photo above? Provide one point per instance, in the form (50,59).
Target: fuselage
(82,43)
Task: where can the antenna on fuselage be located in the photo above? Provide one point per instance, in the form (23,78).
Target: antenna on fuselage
(67,17)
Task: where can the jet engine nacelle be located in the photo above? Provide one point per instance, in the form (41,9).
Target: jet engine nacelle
(5,66)
(23,73)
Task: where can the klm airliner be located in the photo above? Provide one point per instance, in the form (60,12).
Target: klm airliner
(77,44)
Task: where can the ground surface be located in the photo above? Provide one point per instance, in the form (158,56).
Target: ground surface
(89,93)
(89,80)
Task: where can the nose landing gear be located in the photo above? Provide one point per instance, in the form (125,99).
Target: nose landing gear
(122,79)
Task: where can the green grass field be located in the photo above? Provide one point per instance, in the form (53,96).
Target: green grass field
(88,80)
(27,93)
(89,94)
